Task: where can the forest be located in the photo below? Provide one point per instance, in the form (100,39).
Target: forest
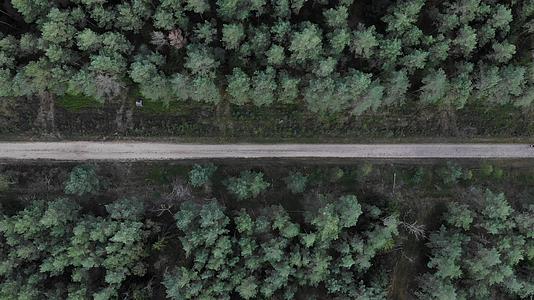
(336,60)
(266,230)
(267,71)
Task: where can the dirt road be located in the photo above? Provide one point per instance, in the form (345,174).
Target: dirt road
(125,151)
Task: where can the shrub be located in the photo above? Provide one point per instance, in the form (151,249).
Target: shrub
(450,174)
(4,183)
(201,175)
(248,185)
(296,182)
(82,180)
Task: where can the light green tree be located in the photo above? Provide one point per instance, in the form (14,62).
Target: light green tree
(233,34)
(434,87)
(239,87)
(306,44)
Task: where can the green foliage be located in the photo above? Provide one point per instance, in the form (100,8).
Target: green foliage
(58,27)
(296,182)
(334,174)
(496,212)
(503,52)
(388,52)
(329,95)
(83,180)
(132,16)
(263,87)
(232,35)
(263,52)
(339,40)
(31,9)
(204,89)
(28,43)
(248,185)
(452,173)
(306,44)
(459,215)
(197,6)
(200,61)
(40,77)
(372,99)
(466,41)
(88,40)
(486,170)
(238,9)
(5,182)
(403,15)
(336,17)
(415,60)
(434,87)
(275,55)
(238,87)
(108,64)
(200,175)
(364,171)
(479,253)
(364,42)
(460,89)
(154,85)
(205,32)
(83,254)
(326,243)
(396,87)
(417,177)
(269,255)
(288,89)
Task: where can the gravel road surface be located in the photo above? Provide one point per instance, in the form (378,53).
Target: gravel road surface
(126,151)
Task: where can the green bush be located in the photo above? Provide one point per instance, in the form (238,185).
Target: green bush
(451,174)
(296,182)
(5,182)
(248,185)
(486,170)
(200,175)
(365,170)
(82,180)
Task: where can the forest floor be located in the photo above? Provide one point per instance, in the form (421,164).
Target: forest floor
(78,118)
(125,151)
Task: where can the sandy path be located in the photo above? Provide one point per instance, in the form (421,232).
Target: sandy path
(75,151)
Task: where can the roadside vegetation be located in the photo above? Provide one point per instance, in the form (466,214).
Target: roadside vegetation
(267,230)
(220,67)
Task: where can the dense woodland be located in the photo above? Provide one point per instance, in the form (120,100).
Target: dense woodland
(242,231)
(328,56)
(231,232)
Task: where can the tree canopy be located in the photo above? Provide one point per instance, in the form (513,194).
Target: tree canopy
(324,54)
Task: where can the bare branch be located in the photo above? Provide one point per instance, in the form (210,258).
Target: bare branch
(417,230)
